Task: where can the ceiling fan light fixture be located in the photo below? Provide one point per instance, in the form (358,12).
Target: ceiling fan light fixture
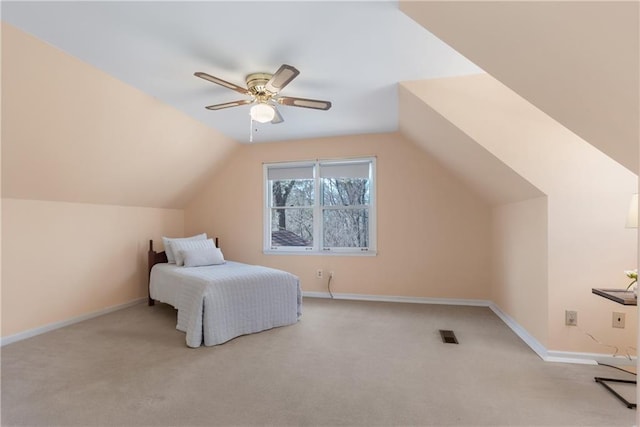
(262,113)
(263,88)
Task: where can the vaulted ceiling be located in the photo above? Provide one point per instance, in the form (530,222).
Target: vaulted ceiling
(350,53)
(576,61)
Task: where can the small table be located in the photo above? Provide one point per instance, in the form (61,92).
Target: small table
(624,297)
(620,296)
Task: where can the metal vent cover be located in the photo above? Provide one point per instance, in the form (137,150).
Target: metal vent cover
(448,337)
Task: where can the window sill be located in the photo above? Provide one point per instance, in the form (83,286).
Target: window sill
(369,253)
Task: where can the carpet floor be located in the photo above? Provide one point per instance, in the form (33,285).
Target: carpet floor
(345,363)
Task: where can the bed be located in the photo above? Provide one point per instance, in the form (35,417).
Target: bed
(217,303)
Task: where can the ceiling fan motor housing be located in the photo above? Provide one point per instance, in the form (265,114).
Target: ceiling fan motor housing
(256,83)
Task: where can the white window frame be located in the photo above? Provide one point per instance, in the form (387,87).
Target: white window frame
(317,249)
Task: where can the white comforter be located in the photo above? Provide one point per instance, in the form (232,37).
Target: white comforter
(220,302)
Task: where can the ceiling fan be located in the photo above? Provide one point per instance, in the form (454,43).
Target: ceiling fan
(263,88)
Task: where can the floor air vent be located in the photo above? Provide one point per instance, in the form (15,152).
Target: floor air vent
(448,337)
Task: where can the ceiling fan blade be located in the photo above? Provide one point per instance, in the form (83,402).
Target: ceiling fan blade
(229,104)
(281,78)
(223,83)
(303,102)
(277,118)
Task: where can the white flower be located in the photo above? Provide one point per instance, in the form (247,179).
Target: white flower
(632,274)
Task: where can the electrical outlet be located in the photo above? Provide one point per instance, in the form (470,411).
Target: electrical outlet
(571,318)
(319,274)
(331,275)
(618,320)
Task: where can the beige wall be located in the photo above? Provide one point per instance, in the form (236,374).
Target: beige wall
(589,247)
(588,198)
(576,60)
(433,233)
(73,133)
(63,260)
(81,152)
(519,283)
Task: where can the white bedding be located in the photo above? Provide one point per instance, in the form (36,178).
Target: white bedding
(220,302)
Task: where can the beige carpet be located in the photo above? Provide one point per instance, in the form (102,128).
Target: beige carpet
(344,363)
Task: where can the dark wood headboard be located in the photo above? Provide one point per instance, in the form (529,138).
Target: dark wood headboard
(156,258)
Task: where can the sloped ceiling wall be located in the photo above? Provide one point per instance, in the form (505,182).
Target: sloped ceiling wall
(495,181)
(577,61)
(72,133)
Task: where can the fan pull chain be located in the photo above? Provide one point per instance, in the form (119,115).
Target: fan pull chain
(250,128)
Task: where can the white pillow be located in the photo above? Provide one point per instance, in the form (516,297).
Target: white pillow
(202,257)
(181,245)
(168,249)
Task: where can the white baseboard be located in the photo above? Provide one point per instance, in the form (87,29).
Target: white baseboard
(560,356)
(390,298)
(57,325)
(521,332)
(590,358)
(530,340)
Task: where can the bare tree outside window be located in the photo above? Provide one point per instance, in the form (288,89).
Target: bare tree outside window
(292,214)
(345,213)
(281,191)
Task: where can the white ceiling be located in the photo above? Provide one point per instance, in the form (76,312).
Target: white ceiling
(350,53)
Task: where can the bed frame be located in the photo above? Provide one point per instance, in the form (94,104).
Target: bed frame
(156,258)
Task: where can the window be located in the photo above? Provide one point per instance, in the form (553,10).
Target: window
(327,206)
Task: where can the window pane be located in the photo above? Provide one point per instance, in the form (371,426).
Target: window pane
(345,228)
(298,192)
(345,191)
(291,227)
